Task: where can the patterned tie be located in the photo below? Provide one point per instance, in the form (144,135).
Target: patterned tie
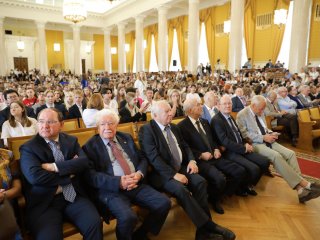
(68,191)
(243,100)
(173,148)
(235,131)
(203,135)
(120,158)
(263,132)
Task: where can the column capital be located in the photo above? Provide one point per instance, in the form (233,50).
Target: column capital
(163,10)
(76,28)
(107,30)
(140,18)
(121,25)
(41,24)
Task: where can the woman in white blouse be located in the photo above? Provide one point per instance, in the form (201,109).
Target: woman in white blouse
(94,105)
(18,124)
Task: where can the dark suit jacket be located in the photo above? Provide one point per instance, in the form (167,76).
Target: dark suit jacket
(60,107)
(206,114)
(4,114)
(40,185)
(156,150)
(297,100)
(100,177)
(225,135)
(194,139)
(74,111)
(237,105)
(125,116)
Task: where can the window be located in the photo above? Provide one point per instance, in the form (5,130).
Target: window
(153,59)
(203,48)
(175,54)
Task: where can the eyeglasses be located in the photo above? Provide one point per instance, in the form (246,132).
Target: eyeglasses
(50,122)
(110,124)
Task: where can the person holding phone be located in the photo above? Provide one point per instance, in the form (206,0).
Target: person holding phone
(174,170)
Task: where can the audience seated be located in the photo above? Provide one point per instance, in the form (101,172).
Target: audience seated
(209,108)
(52,103)
(76,110)
(284,102)
(238,101)
(176,103)
(94,105)
(305,98)
(130,112)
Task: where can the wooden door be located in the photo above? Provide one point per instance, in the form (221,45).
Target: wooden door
(21,63)
(83,66)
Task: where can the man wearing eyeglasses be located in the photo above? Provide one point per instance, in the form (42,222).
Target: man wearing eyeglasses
(10,96)
(51,164)
(117,170)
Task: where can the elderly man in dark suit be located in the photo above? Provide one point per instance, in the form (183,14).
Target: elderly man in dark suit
(117,170)
(237,148)
(51,164)
(213,167)
(238,101)
(174,170)
(10,96)
(305,98)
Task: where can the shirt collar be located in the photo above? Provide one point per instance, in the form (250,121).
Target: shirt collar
(48,140)
(193,120)
(162,127)
(106,141)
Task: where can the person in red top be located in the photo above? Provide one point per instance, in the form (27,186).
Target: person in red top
(31,98)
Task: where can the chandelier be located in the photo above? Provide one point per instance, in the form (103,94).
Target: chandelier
(74,10)
(280,17)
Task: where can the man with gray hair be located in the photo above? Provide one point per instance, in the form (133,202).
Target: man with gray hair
(252,125)
(282,117)
(305,98)
(174,170)
(210,105)
(117,170)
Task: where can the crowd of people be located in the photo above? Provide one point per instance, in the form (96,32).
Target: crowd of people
(208,155)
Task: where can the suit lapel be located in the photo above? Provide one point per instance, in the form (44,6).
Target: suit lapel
(160,135)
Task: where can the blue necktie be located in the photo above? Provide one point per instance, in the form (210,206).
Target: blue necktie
(68,191)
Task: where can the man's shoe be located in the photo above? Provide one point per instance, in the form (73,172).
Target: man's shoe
(217,207)
(307,195)
(242,193)
(225,232)
(251,191)
(268,173)
(202,234)
(139,235)
(315,187)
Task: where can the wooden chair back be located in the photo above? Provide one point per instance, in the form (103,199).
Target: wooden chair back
(234,115)
(70,124)
(177,120)
(14,144)
(127,128)
(81,123)
(83,135)
(304,115)
(314,113)
(148,116)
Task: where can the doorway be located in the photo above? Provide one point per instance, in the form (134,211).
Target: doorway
(83,66)
(21,63)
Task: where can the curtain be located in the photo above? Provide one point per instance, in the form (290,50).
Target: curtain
(210,35)
(249,26)
(181,36)
(278,31)
(147,51)
(130,39)
(205,17)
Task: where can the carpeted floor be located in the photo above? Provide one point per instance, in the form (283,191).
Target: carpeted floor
(309,165)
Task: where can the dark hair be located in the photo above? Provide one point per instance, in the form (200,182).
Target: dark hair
(131,89)
(25,121)
(105,91)
(5,93)
(149,89)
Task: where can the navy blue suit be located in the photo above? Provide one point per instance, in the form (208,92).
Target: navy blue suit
(297,100)
(214,170)
(45,209)
(105,187)
(206,114)
(237,105)
(254,163)
(193,196)
(74,111)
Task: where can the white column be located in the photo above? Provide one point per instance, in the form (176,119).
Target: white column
(43,57)
(162,39)
(76,47)
(121,48)
(107,50)
(139,44)
(300,34)
(193,36)
(3,58)
(236,34)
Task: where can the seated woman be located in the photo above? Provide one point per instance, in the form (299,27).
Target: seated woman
(18,124)
(10,188)
(68,99)
(175,103)
(94,105)
(108,100)
(130,112)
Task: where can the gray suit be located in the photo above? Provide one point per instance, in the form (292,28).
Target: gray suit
(306,101)
(283,159)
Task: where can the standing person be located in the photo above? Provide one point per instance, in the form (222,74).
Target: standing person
(51,164)
(19,124)
(252,125)
(10,96)
(175,170)
(117,170)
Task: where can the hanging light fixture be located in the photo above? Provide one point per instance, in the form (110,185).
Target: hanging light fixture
(74,10)
(88,48)
(113,50)
(56,47)
(20,45)
(280,17)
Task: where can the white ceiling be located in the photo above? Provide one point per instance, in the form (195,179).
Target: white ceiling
(100,16)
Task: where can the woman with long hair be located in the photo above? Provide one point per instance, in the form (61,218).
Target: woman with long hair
(18,124)
(94,105)
(69,99)
(130,112)
(175,103)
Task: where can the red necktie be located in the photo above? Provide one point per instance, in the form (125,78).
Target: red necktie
(120,158)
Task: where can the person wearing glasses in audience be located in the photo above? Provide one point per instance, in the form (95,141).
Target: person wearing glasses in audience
(19,124)
(115,177)
(51,164)
(10,96)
